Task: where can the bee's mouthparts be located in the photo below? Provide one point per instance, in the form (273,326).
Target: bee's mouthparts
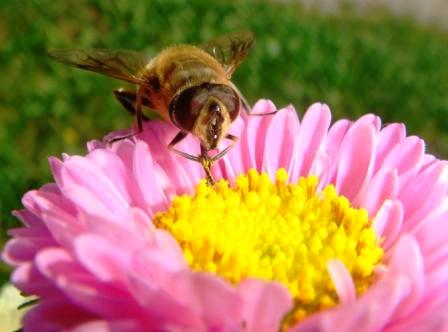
(214,127)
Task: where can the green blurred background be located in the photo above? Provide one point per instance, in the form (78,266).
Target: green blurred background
(357,63)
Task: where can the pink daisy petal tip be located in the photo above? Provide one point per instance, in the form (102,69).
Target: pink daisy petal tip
(343,281)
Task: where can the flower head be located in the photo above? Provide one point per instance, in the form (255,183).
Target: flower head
(311,227)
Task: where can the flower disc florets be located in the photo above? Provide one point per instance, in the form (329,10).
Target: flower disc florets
(275,231)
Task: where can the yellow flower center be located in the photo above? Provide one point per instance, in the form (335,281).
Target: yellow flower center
(275,231)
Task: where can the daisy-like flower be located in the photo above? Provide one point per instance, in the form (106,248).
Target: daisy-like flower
(310,228)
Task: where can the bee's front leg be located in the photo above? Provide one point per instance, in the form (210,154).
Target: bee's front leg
(221,154)
(203,158)
(138,114)
(128,99)
(179,137)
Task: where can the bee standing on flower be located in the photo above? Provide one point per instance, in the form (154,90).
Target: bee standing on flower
(187,85)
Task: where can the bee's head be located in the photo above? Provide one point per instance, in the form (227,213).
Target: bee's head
(206,111)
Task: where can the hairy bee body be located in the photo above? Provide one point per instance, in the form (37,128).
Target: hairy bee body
(176,69)
(187,85)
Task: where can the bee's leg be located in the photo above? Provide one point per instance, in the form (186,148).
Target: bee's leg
(179,137)
(203,158)
(248,109)
(138,110)
(221,154)
(261,114)
(128,99)
(246,105)
(138,117)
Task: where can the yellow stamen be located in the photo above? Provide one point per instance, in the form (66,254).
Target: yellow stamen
(275,231)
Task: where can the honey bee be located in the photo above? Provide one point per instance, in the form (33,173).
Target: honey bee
(186,85)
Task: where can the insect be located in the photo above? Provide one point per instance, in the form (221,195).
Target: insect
(186,85)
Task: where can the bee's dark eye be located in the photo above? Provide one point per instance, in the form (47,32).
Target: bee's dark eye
(228,97)
(185,107)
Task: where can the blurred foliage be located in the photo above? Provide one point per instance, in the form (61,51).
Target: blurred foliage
(374,63)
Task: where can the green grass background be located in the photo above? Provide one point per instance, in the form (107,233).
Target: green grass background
(357,64)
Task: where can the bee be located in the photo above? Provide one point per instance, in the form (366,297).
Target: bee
(186,85)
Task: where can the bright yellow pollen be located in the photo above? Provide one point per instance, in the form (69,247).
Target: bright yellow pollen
(275,231)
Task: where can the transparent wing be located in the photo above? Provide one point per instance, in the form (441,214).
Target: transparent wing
(122,64)
(230,49)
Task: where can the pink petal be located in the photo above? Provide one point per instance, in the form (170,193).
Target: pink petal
(47,200)
(370,119)
(104,159)
(30,219)
(110,325)
(432,233)
(57,215)
(430,322)
(256,132)
(383,186)
(101,258)
(388,222)
(148,185)
(336,135)
(156,270)
(214,300)
(22,250)
(426,194)
(321,168)
(56,166)
(342,280)
(312,134)
(87,201)
(387,139)
(137,231)
(55,315)
(355,164)
(405,156)
(265,304)
(96,144)
(394,294)
(80,172)
(105,300)
(169,311)
(282,138)
(184,174)
(407,260)
(436,266)
(29,280)
(236,161)
(370,313)
(428,160)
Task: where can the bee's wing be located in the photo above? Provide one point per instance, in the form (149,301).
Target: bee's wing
(230,49)
(122,64)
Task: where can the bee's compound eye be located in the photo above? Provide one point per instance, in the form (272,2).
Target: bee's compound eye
(228,98)
(185,107)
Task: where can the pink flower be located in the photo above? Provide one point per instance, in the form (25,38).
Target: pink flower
(93,255)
